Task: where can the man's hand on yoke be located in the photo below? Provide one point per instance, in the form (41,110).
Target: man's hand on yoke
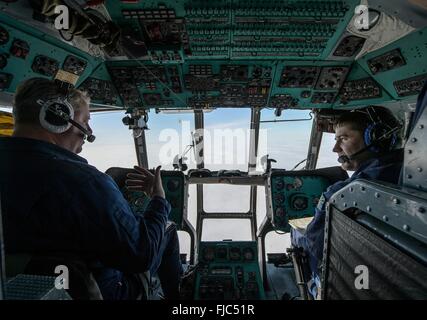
(145,181)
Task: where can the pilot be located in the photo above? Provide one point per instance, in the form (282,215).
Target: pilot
(53,201)
(365,139)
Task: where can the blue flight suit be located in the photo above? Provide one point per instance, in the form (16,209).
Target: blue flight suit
(385,168)
(53,201)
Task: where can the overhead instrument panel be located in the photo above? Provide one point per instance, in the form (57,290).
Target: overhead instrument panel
(228,270)
(234,29)
(197,54)
(294,195)
(239,53)
(100,88)
(147,85)
(299,77)
(26,53)
(349,46)
(400,67)
(74,65)
(227,53)
(360,88)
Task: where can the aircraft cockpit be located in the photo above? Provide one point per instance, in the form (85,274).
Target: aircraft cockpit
(148,60)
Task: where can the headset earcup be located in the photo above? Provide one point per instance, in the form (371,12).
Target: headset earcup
(52,122)
(370,135)
(367,135)
(375,131)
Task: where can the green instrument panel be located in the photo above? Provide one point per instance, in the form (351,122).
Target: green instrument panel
(294,196)
(194,54)
(174,186)
(228,270)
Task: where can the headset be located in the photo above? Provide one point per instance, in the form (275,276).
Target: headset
(379,136)
(57,115)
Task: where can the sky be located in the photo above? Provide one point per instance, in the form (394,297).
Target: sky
(170,134)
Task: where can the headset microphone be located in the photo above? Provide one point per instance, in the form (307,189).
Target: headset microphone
(56,115)
(345,158)
(89,137)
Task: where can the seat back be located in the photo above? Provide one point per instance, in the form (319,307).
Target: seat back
(361,264)
(375,243)
(82,284)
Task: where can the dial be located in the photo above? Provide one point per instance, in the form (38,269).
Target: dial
(280,185)
(173,202)
(279,198)
(221,253)
(209,254)
(3,61)
(280,212)
(248,254)
(4,36)
(235,254)
(298,183)
(173,185)
(299,203)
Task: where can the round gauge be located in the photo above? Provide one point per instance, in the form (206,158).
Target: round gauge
(139,201)
(257,72)
(235,254)
(297,183)
(173,202)
(221,253)
(280,185)
(173,185)
(299,203)
(280,212)
(279,198)
(306,94)
(3,61)
(248,254)
(208,254)
(4,36)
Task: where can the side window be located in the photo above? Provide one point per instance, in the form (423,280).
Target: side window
(287,142)
(114,146)
(327,158)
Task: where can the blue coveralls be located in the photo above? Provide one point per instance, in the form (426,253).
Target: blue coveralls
(53,201)
(385,168)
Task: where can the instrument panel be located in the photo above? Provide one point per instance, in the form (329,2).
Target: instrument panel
(174,186)
(294,195)
(228,270)
(184,54)
(175,190)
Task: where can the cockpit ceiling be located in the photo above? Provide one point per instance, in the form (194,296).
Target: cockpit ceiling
(211,54)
